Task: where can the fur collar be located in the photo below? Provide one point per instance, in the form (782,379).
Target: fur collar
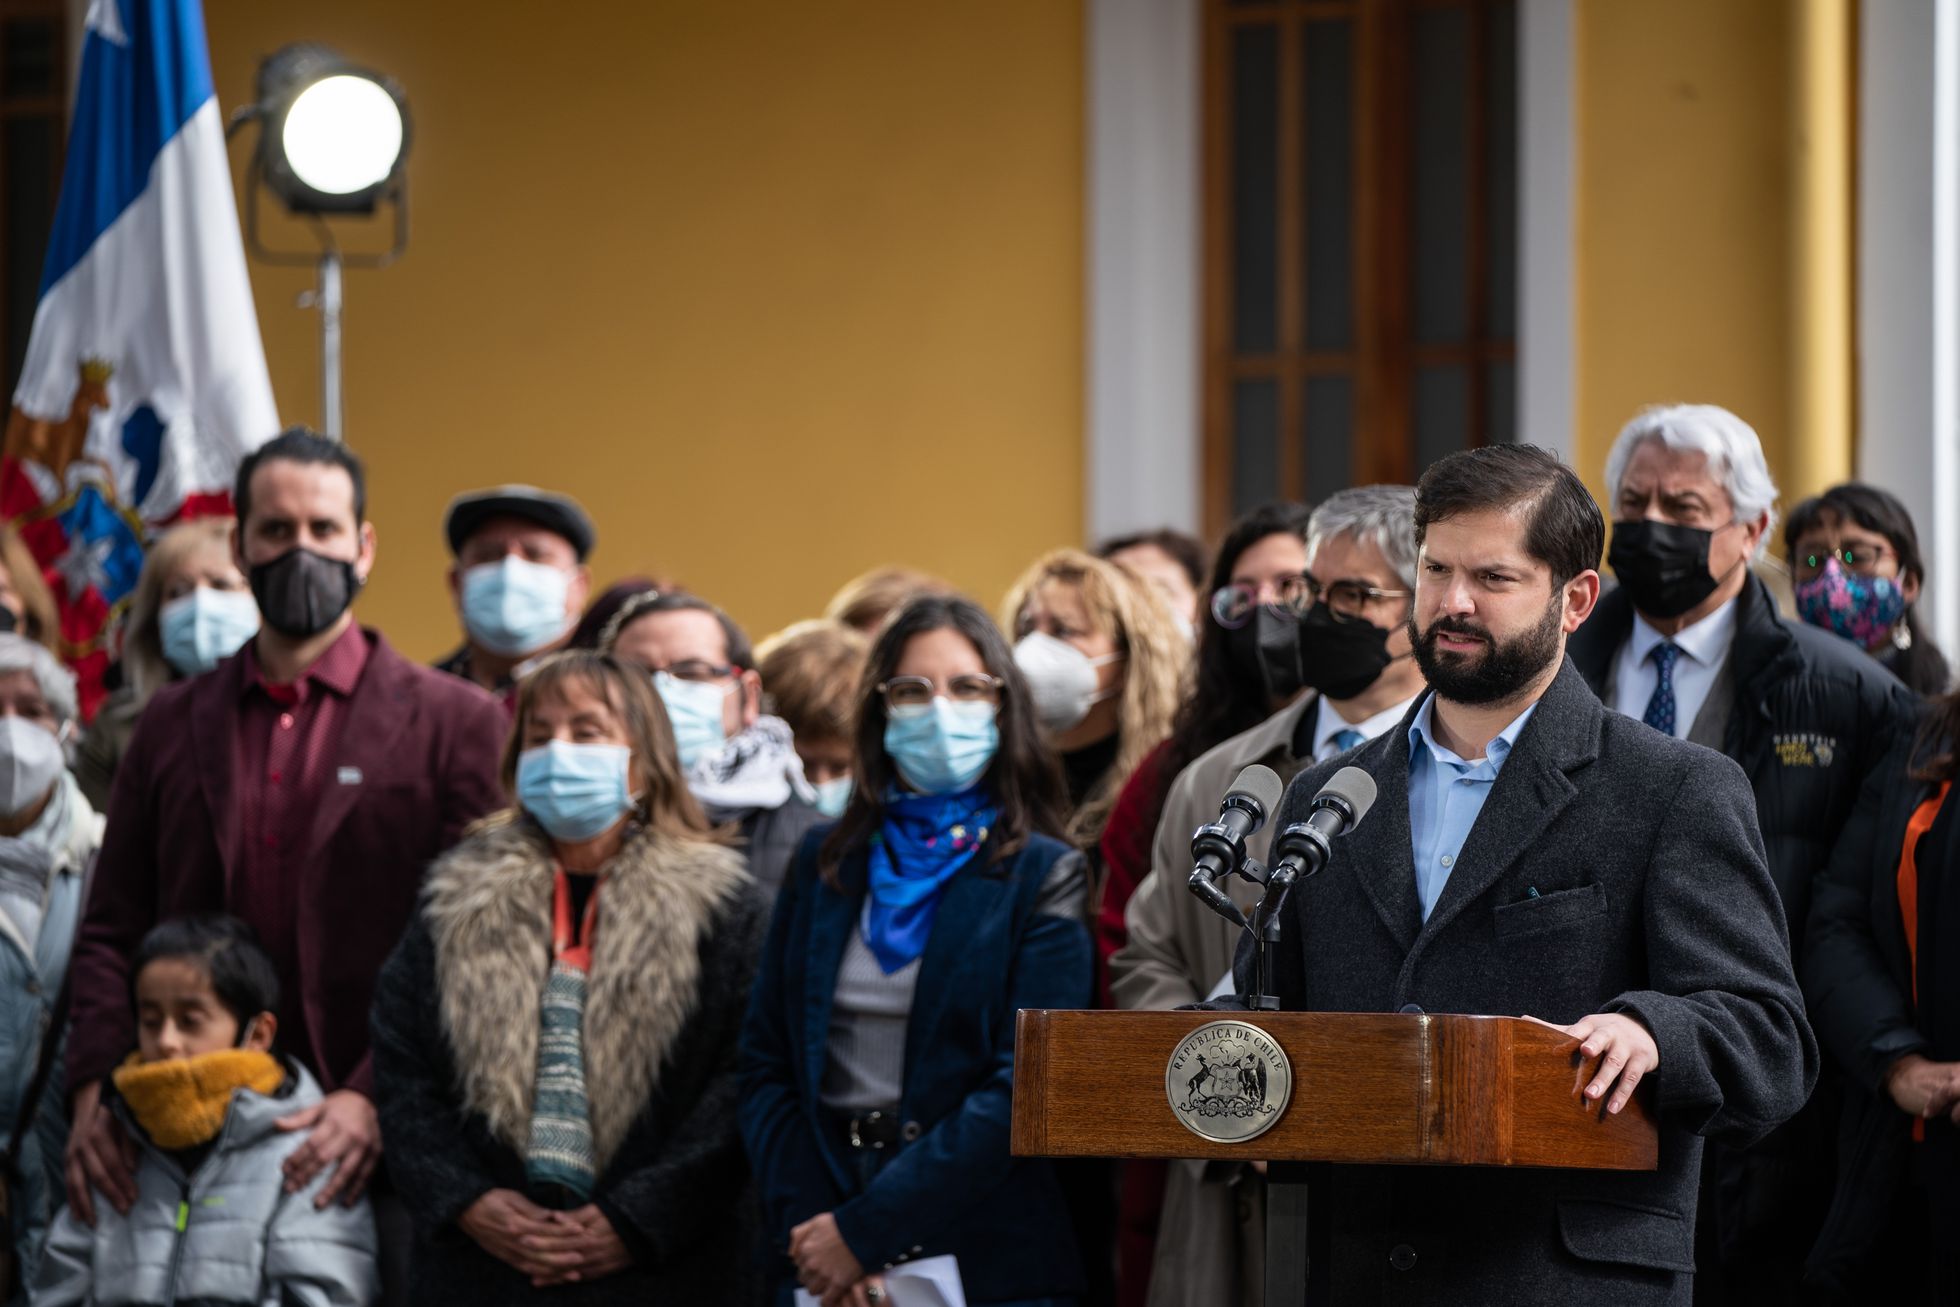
(488,908)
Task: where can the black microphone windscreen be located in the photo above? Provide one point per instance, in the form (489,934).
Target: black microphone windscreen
(1352,786)
(1263,785)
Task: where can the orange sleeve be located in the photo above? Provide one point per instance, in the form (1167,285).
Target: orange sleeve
(1922,821)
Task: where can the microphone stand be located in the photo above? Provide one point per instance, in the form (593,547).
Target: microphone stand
(1262,934)
(1286,1192)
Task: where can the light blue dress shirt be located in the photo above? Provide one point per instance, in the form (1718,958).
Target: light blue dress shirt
(1445,795)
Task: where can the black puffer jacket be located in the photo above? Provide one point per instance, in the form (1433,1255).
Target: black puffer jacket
(1814,716)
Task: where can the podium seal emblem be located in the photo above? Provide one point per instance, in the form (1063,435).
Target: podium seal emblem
(1228,1081)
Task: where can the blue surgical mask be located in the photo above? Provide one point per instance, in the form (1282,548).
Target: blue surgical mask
(943,747)
(514,606)
(203,628)
(694,708)
(576,791)
(832,795)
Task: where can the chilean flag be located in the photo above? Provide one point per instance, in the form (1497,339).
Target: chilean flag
(145,379)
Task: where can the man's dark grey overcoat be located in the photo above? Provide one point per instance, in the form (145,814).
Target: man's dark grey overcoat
(1612,869)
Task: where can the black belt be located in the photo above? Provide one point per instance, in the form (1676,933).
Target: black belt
(877,1131)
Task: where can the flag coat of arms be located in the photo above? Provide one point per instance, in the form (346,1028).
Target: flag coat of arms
(145,378)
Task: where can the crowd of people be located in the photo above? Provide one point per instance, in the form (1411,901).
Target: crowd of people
(619,956)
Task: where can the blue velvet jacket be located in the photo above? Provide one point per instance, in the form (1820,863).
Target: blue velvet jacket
(1009,935)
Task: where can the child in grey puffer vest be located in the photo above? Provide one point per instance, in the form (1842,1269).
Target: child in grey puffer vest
(202,1097)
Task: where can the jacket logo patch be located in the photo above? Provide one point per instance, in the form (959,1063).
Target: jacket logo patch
(1806,750)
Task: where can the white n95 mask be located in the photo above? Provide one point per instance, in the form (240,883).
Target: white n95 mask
(1061,678)
(30,762)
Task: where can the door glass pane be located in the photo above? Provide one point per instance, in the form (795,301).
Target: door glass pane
(1255,189)
(1501,171)
(30,151)
(1501,407)
(29,49)
(1329,173)
(1439,224)
(1255,444)
(1329,435)
(1442,412)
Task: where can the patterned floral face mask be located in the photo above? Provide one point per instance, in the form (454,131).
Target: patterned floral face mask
(1860,608)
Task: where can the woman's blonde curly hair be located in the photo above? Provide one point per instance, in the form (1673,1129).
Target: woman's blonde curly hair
(1156,669)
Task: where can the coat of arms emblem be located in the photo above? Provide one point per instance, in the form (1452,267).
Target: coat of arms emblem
(1228,1081)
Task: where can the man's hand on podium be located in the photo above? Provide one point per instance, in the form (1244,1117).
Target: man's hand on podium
(1625,1048)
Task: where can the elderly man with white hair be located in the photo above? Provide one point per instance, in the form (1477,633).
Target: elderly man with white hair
(48,836)
(1692,643)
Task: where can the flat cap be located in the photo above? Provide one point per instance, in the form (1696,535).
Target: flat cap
(559,514)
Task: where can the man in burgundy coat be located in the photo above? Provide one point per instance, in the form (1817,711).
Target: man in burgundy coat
(303,785)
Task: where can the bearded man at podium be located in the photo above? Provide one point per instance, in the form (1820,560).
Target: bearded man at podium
(1531,853)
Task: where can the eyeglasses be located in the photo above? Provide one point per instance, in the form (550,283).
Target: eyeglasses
(918,691)
(694,669)
(1351,598)
(1863,559)
(1232,606)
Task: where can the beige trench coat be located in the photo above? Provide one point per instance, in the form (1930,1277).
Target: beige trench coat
(1211,1242)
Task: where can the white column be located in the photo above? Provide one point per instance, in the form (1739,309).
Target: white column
(1547,176)
(1909,280)
(1141,458)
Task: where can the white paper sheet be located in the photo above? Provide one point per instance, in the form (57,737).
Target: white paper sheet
(928,1282)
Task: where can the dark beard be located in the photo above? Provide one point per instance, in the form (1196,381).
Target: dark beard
(1503,671)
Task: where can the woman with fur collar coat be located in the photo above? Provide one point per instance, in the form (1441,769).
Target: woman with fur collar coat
(555,1035)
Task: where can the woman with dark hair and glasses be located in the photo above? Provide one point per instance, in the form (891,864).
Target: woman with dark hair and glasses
(1855,565)
(1258,589)
(877,1061)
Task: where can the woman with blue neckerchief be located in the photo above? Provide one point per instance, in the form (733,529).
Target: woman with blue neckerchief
(877,1060)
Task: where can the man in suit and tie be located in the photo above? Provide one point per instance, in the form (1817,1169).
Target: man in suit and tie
(302,785)
(1692,644)
(1532,854)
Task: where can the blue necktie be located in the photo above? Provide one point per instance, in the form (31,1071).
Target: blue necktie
(1347,739)
(1660,708)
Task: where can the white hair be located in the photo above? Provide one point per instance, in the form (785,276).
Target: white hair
(1734,452)
(1382,516)
(56,683)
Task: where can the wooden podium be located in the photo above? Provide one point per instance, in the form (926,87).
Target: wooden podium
(1365,1088)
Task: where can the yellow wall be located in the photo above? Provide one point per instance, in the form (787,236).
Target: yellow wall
(1714,227)
(779,290)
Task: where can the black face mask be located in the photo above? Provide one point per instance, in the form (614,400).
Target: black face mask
(1267,649)
(1341,657)
(1663,567)
(301,593)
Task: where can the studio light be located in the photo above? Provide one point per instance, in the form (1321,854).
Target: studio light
(333,141)
(334,137)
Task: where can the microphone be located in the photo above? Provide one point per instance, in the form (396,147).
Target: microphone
(1219,849)
(1302,848)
